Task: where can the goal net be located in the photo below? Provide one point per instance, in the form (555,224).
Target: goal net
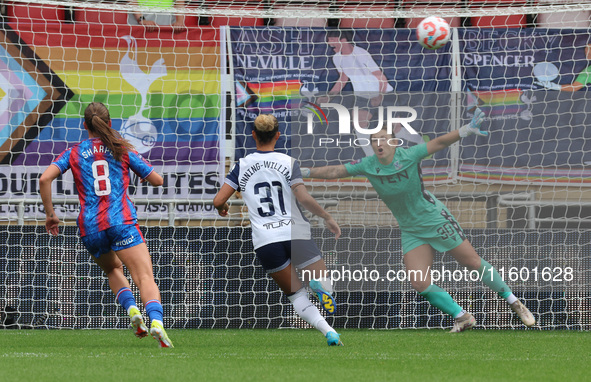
(185,92)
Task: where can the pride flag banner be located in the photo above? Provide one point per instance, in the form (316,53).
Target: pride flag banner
(162,92)
(539,130)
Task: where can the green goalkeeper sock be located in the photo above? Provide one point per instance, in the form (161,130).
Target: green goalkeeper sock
(492,278)
(442,300)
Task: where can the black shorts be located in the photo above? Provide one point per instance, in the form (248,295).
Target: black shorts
(275,257)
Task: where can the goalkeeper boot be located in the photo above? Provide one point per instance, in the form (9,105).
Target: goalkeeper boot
(465,322)
(326,300)
(137,323)
(523,313)
(333,339)
(159,334)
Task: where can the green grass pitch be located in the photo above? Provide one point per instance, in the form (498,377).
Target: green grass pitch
(294,355)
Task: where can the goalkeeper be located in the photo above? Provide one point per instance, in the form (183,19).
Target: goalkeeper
(425,223)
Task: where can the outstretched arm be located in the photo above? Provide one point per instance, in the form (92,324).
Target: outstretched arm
(442,141)
(575,86)
(51,220)
(302,195)
(326,172)
(448,139)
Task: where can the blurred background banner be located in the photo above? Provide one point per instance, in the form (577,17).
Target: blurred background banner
(284,70)
(539,128)
(163,96)
(513,75)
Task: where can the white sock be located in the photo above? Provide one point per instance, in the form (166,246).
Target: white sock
(511,299)
(462,312)
(131,307)
(308,311)
(324,327)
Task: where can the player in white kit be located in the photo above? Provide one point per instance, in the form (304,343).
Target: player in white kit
(268,182)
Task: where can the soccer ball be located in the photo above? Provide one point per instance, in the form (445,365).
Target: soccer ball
(433,32)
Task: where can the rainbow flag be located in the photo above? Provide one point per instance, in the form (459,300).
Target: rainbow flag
(276,95)
(162,90)
(497,102)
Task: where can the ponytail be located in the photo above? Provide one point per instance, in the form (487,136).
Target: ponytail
(97,119)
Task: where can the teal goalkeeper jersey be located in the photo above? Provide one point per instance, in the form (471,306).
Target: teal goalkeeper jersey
(400,185)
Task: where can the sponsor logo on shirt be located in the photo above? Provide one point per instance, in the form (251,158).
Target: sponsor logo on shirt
(279,224)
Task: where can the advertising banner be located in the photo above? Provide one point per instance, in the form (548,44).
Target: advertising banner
(297,73)
(162,95)
(532,84)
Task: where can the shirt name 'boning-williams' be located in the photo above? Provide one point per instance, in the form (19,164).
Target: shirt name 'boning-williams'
(283,170)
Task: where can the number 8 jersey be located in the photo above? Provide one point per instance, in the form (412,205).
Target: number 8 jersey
(264,179)
(102,182)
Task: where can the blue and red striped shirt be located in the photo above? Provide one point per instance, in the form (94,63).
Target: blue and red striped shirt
(102,182)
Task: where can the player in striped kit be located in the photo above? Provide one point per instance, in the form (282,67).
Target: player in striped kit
(107,220)
(268,182)
(425,223)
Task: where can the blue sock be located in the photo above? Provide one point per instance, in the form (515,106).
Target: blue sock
(154,310)
(125,298)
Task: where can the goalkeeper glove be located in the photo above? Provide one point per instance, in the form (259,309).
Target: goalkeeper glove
(305,172)
(548,85)
(474,126)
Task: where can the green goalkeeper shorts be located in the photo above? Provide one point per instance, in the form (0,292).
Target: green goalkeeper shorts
(444,235)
